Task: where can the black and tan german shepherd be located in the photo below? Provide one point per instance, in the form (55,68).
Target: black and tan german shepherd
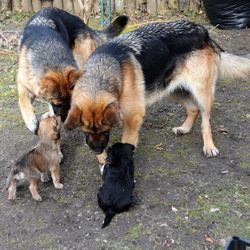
(53,45)
(176,59)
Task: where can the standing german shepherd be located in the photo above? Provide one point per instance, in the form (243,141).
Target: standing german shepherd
(176,59)
(47,67)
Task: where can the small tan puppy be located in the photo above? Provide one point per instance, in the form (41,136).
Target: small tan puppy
(34,165)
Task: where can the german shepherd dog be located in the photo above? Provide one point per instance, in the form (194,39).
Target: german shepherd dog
(115,194)
(52,46)
(34,165)
(176,59)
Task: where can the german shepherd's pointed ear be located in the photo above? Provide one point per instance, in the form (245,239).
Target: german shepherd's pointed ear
(112,115)
(116,28)
(73,119)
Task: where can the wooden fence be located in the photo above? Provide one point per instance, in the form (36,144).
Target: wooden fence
(130,7)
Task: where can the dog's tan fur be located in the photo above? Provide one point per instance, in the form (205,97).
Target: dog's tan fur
(35,164)
(83,48)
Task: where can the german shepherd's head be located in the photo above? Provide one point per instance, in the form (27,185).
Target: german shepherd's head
(95,116)
(56,87)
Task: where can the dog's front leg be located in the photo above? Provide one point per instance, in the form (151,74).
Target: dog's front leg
(25,103)
(102,158)
(131,127)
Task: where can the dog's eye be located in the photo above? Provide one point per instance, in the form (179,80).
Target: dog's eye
(103,122)
(72,87)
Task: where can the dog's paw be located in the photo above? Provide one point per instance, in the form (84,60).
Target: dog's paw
(180,131)
(59,186)
(210,151)
(32,124)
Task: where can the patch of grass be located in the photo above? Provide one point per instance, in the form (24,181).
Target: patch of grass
(135,232)
(232,217)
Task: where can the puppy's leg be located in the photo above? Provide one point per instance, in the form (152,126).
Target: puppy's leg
(34,189)
(12,190)
(192,114)
(44,177)
(55,173)
(25,103)
(60,152)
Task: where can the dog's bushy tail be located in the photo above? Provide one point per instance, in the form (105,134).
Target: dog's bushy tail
(109,214)
(116,27)
(234,66)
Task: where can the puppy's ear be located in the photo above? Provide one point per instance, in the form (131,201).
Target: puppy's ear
(49,88)
(112,115)
(73,119)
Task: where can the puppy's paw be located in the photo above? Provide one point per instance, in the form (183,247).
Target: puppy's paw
(58,186)
(32,124)
(12,196)
(180,131)
(37,197)
(210,151)
(46,115)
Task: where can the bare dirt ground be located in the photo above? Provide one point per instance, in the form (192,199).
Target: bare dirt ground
(182,200)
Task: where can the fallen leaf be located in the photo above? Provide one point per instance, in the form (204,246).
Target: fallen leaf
(214,210)
(224,172)
(174,209)
(208,239)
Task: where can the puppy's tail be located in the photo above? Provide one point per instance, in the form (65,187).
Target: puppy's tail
(115,28)
(234,66)
(109,214)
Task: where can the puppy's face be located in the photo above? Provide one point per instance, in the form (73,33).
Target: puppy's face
(56,88)
(49,128)
(95,118)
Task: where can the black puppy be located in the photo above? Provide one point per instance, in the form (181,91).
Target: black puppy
(115,195)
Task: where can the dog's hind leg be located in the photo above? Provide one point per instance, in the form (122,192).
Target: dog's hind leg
(205,97)
(34,189)
(12,189)
(192,114)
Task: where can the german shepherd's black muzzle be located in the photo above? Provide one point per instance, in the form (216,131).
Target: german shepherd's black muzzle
(61,110)
(97,142)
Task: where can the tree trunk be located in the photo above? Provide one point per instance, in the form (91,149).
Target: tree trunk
(5,4)
(119,6)
(46,3)
(16,5)
(162,7)
(37,5)
(68,5)
(130,7)
(152,7)
(58,4)
(77,7)
(26,5)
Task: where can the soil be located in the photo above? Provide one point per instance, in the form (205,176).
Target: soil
(182,200)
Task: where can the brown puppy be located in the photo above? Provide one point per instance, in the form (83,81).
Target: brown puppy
(177,60)
(34,165)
